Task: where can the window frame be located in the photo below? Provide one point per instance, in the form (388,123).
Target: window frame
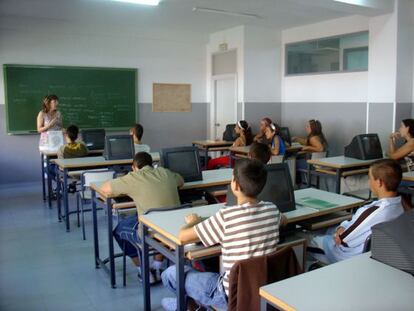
(286,74)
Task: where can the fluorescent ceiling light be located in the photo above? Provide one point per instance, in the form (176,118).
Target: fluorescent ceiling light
(209,10)
(354,2)
(144,2)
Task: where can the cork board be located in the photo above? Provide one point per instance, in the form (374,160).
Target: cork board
(171,97)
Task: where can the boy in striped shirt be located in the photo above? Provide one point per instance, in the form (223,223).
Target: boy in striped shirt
(247,230)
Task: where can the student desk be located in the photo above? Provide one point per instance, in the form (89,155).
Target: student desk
(165,226)
(359,283)
(340,166)
(211,145)
(45,159)
(65,167)
(408,176)
(211,178)
(244,151)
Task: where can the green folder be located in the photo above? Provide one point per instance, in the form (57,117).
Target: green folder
(316,203)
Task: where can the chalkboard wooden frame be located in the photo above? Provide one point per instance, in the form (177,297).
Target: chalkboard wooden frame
(133,107)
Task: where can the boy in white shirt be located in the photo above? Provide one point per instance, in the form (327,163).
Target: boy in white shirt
(348,239)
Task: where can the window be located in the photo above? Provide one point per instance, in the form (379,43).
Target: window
(336,54)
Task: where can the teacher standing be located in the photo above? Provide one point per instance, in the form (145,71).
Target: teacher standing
(49,118)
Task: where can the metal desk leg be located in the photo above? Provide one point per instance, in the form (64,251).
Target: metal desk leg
(42,162)
(49,183)
(309,176)
(263,304)
(206,158)
(111,243)
(338,181)
(95,229)
(58,196)
(145,268)
(66,199)
(179,257)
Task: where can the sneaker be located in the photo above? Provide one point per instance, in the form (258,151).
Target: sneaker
(169,304)
(152,276)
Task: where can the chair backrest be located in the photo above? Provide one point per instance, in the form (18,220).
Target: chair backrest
(318,155)
(91,177)
(229,134)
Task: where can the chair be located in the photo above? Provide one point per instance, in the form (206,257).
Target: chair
(246,278)
(305,171)
(229,134)
(85,194)
(138,246)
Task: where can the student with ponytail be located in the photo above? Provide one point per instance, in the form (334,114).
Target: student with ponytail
(315,141)
(276,143)
(245,138)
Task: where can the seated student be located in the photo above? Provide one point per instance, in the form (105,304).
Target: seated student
(72,148)
(277,145)
(137,131)
(406,151)
(316,141)
(245,138)
(149,188)
(246,230)
(261,136)
(260,152)
(348,239)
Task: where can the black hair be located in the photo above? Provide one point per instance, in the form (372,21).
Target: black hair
(138,131)
(142,159)
(247,131)
(389,171)
(251,176)
(261,152)
(410,124)
(72,131)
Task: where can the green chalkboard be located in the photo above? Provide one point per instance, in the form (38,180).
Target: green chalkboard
(89,97)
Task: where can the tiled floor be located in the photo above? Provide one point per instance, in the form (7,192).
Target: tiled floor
(44,268)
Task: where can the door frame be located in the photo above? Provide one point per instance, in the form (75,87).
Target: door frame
(213,120)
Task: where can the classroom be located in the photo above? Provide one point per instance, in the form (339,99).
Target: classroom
(206,154)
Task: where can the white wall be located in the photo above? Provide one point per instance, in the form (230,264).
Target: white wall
(336,87)
(178,59)
(382,58)
(262,64)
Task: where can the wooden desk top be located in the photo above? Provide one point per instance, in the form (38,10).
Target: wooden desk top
(341,162)
(78,163)
(168,224)
(408,176)
(53,153)
(212,143)
(359,283)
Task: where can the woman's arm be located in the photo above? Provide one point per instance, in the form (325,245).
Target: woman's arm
(275,149)
(40,123)
(239,142)
(299,140)
(315,145)
(400,153)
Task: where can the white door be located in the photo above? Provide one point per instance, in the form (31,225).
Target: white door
(225,103)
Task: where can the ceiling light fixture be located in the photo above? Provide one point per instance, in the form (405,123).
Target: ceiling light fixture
(209,10)
(143,2)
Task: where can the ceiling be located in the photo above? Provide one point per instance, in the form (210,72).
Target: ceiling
(177,15)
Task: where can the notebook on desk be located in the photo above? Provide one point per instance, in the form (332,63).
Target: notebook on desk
(315,203)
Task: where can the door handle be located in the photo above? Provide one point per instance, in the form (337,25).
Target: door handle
(217,124)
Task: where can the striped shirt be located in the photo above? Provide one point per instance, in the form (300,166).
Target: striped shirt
(244,231)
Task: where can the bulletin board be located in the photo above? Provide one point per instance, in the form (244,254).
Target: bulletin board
(171,97)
